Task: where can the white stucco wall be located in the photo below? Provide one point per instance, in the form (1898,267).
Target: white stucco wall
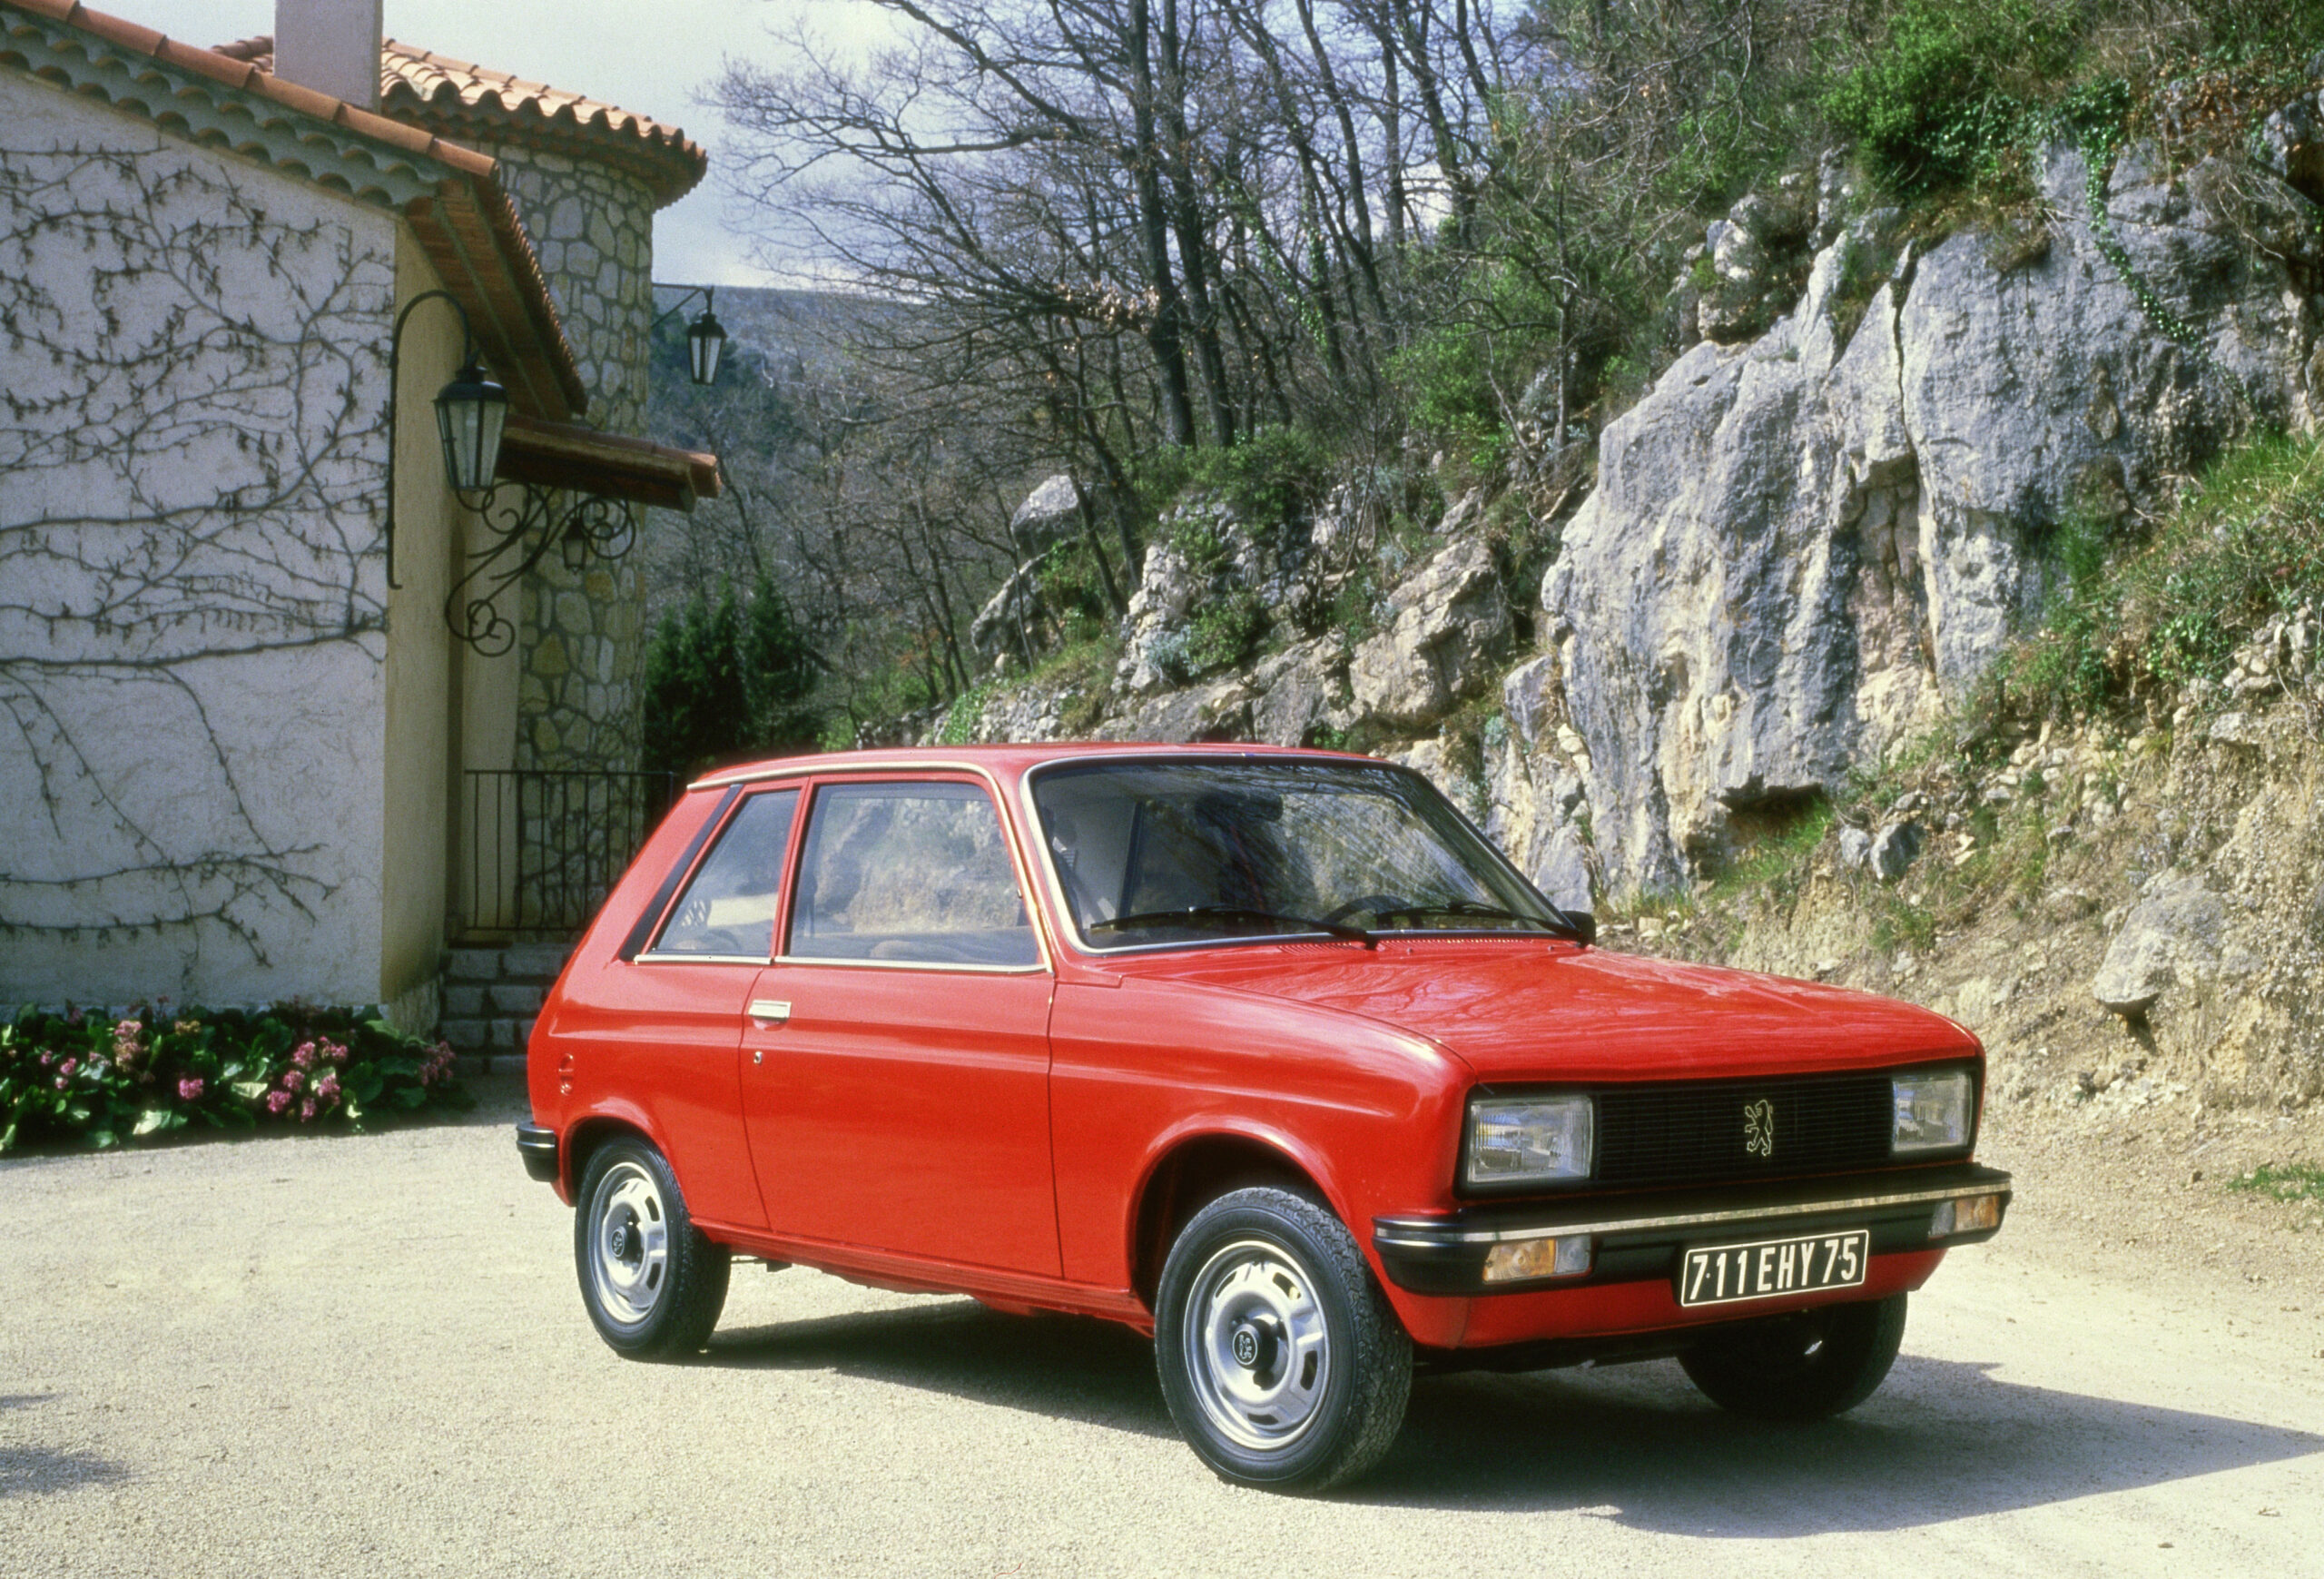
(192,632)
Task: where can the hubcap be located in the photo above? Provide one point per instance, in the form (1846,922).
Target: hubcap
(1256,1347)
(629,1255)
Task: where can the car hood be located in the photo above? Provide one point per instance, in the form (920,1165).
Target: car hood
(1534,1010)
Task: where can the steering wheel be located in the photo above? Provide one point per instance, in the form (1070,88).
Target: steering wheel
(1371,903)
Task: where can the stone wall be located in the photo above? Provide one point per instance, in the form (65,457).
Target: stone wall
(582,633)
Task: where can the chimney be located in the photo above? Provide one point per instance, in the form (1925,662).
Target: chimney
(331,46)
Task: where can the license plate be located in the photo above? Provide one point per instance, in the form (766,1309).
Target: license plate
(1771,1269)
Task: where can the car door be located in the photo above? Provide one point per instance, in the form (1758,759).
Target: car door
(668,1035)
(895,1070)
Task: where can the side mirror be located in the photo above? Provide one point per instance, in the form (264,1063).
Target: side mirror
(1585,925)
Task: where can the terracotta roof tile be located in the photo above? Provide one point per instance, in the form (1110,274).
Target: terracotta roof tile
(418,82)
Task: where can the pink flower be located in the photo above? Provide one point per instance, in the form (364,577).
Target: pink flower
(307,1112)
(328,1087)
(60,1082)
(303,1055)
(277,1100)
(48,1061)
(333,1051)
(189,1088)
(293,1079)
(67,1067)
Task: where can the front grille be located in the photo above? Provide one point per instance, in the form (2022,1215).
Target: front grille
(1702,1132)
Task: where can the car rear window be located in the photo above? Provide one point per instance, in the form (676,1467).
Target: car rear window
(729,907)
(909,873)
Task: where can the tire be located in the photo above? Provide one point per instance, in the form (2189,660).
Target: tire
(652,1284)
(1281,1360)
(1807,1366)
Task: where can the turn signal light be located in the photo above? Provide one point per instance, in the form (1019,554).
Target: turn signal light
(1968,1214)
(1567,1256)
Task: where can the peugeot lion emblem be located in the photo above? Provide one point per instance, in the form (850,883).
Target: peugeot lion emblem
(1246,1347)
(1759,1128)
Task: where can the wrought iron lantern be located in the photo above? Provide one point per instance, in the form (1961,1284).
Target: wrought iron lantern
(470,412)
(705,338)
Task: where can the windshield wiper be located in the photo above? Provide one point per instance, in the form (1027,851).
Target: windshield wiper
(1464,907)
(1196,914)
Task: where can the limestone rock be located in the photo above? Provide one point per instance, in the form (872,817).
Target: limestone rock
(1855,848)
(1528,697)
(1299,689)
(1563,872)
(1799,547)
(2171,936)
(1220,710)
(995,629)
(1446,620)
(1050,513)
(1893,849)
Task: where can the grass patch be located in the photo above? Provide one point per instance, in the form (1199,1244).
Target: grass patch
(2292,1181)
(2134,617)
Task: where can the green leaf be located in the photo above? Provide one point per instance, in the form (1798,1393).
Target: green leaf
(153,1119)
(408,1096)
(250,1091)
(104,1139)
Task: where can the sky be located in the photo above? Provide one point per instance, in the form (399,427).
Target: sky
(657,58)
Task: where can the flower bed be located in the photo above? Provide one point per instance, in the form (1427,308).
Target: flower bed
(153,1071)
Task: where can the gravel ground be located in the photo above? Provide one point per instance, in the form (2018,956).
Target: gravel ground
(365,1355)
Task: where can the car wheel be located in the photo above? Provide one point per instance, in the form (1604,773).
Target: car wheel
(652,1285)
(1806,1366)
(1281,1360)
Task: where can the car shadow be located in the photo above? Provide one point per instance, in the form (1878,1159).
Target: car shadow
(34,1471)
(1943,1439)
(1062,1366)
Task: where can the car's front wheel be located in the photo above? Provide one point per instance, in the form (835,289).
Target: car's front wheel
(652,1284)
(1802,1366)
(1280,1360)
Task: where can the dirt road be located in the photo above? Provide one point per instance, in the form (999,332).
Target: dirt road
(366,1356)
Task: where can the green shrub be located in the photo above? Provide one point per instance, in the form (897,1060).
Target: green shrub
(1223,633)
(108,1081)
(1948,92)
(1268,477)
(2247,542)
(966,713)
(727,679)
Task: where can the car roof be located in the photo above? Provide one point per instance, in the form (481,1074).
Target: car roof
(1005,761)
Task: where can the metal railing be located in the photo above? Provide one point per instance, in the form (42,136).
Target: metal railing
(545,847)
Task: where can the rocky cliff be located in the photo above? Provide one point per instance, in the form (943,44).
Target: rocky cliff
(1800,549)
(1802,545)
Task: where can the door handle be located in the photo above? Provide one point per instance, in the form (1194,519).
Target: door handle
(770,1011)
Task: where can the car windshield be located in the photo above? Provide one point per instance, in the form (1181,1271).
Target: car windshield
(1153,852)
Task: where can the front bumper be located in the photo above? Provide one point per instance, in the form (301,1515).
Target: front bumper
(1638,1237)
(537,1147)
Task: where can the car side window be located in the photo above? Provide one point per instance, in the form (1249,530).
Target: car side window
(909,873)
(729,907)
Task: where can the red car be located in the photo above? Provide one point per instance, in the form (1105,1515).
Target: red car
(1269,1053)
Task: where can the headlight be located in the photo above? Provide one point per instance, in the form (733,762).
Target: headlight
(1934,1112)
(1537,1139)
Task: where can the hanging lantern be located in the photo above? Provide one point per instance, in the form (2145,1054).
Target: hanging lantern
(471,411)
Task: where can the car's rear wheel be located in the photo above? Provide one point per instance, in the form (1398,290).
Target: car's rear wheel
(1803,1367)
(1280,1360)
(652,1284)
